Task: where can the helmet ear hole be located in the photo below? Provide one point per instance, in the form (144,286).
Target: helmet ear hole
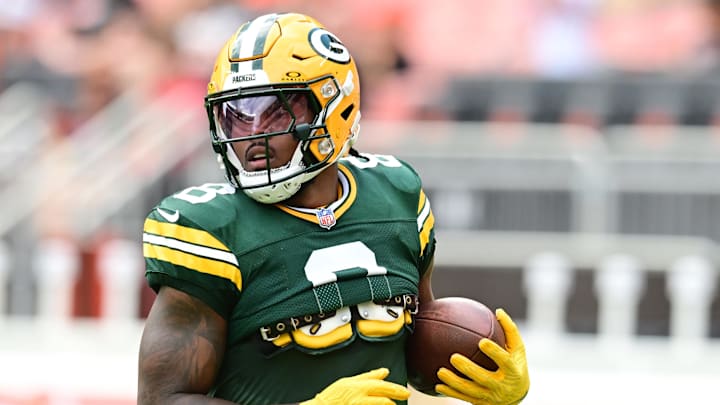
(345,114)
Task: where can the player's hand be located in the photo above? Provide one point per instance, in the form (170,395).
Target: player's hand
(508,385)
(367,388)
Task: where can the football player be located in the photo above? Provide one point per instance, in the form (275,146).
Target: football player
(297,280)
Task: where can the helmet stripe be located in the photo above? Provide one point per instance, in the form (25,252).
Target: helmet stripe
(251,38)
(235,50)
(262,35)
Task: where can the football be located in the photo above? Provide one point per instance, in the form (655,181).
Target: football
(445,326)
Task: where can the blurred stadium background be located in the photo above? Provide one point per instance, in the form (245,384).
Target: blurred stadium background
(571,149)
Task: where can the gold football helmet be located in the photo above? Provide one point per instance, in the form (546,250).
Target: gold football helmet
(289,69)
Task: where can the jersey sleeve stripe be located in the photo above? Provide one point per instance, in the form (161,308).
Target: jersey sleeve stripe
(183,233)
(195,250)
(425,220)
(197,263)
(423,211)
(425,233)
(421,201)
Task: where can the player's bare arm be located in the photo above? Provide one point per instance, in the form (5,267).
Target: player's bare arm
(180,351)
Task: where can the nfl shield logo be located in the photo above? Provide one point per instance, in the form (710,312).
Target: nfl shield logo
(326,218)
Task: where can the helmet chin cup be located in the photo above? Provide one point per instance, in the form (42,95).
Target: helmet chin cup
(273,193)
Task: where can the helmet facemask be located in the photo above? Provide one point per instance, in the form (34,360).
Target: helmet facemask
(255,115)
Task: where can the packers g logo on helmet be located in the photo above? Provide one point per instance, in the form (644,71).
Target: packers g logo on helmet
(329,46)
(280,58)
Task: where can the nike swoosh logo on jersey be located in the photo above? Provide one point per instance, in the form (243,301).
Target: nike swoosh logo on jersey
(169,216)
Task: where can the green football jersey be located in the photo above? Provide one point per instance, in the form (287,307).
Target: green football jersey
(310,295)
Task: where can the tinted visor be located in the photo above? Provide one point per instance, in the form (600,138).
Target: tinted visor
(264,114)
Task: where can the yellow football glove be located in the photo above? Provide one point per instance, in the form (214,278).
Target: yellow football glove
(508,385)
(367,388)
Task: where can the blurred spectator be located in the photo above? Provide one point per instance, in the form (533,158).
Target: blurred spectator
(195,37)
(163,15)
(198,33)
(707,57)
(650,36)
(129,51)
(30,56)
(467,36)
(561,42)
(79,50)
(14,17)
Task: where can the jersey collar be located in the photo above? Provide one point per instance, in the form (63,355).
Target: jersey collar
(347,192)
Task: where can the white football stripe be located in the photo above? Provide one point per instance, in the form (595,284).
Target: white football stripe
(423,214)
(190,248)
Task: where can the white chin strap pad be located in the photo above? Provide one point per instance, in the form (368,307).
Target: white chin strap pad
(274,193)
(271,193)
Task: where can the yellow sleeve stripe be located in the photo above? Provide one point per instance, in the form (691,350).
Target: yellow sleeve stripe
(189,248)
(425,233)
(197,263)
(183,233)
(425,220)
(421,201)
